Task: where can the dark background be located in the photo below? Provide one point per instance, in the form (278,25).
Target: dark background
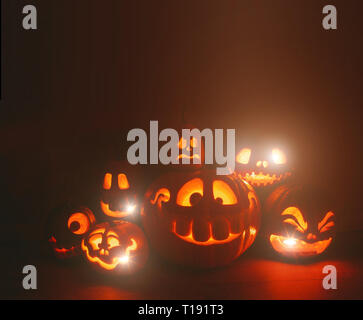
(95,69)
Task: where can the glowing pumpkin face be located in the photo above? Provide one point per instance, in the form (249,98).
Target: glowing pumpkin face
(191,150)
(262,169)
(119,246)
(297,225)
(199,218)
(119,190)
(66,227)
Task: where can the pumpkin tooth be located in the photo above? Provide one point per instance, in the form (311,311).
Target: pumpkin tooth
(182,226)
(220,229)
(200,230)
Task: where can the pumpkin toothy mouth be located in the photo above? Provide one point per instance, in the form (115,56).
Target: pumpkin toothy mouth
(210,241)
(113,262)
(264,179)
(60,250)
(291,246)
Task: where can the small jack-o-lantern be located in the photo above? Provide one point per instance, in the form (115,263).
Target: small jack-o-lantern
(117,246)
(262,168)
(66,228)
(298,221)
(200,219)
(120,189)
(192,151)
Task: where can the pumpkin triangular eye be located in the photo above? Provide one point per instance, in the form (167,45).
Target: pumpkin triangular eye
(325,224)
(182,143)
(296,218)
(243,156)
(107,181)
(123,183)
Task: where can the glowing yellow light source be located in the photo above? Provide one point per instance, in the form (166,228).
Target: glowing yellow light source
(290,242)
(131,208)
(278,156)
(124,259)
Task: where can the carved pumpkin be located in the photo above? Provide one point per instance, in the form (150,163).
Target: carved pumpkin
(262,167)
(66,228)
(120,189)
(189,152)
(117,246)
(200,219)
(298,221)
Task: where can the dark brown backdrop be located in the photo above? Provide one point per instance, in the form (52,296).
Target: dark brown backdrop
(96,69)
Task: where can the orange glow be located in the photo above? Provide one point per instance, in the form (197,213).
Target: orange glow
(291,247)
(211,241)
(299,223)
(116,260)
(101,263)
(162,195)
(116,214)
(183,145)
(132,247)
(192,186)
(323,225)
(112,242)
(278,156)
(263,179)
(82,220)
(223,191)
(60,250)
(251,237)
(107,181)
(123,183)
(243,156)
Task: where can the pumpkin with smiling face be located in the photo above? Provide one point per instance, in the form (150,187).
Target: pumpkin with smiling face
(200,219)
(299,223)
(65,229)
(262,167)
(117,247)
(120,190)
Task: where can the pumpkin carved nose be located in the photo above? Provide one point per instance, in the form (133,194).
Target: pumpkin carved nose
(311,236)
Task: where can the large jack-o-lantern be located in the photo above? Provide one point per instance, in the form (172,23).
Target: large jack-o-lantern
(117,246)
(298,221)
(65,229)
(200,219)
(262,167)
(120,190)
